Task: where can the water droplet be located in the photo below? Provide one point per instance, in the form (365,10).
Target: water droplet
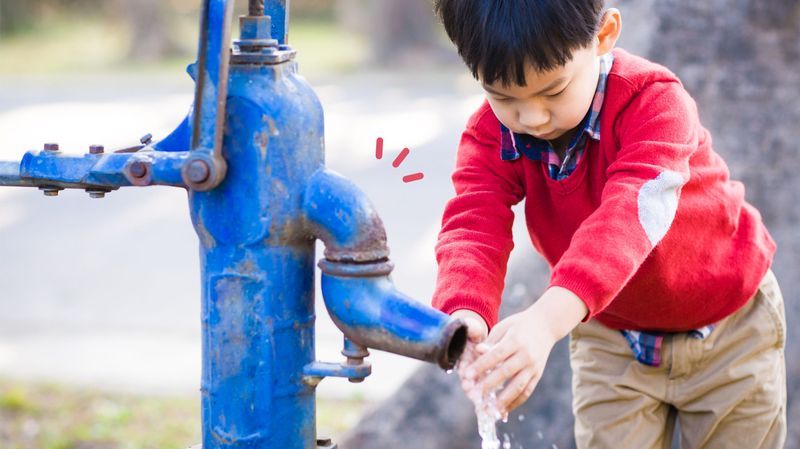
(554,446)
(506,442)
(540,435)
(521,418)
(450,371)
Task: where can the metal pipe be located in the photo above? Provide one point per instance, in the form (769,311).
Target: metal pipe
(372,312)
(339,214)
(358,293)
(9,176)
(278,10)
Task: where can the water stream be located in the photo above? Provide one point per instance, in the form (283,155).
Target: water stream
(486,408)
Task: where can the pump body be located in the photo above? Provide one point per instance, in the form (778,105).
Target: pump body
(251,155)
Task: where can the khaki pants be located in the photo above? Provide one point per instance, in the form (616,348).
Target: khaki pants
(727,391)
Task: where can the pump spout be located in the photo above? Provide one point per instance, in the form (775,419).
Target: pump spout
(358,292)
(370,311)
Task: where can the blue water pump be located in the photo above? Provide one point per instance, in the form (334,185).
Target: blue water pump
(251,156)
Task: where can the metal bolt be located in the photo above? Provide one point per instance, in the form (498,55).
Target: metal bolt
(50,190)
(146,139)
(198,171)
(51,147)
(256,7)
(138,169)
(96,193)
(96,149)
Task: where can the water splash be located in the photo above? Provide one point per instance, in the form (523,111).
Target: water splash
(486,409)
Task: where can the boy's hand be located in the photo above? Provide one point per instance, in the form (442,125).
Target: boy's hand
(517,349)
(477,330)
(516,352)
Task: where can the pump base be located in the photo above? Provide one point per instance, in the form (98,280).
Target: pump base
(322,443)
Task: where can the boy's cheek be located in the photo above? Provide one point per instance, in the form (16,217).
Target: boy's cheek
(503,113)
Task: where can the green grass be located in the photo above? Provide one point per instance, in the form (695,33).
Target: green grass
(47,416)
(90,44)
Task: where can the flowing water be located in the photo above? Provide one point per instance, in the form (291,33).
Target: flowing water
(485,406)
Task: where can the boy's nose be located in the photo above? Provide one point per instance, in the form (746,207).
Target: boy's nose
(533,118)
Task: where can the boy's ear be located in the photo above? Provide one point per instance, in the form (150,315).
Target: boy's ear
(610,29)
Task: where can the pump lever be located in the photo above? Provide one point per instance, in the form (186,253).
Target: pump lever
(210,95)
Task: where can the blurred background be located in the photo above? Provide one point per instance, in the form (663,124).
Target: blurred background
(99,310)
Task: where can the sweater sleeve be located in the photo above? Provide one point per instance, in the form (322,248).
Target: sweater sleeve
(476,235)
(658,133)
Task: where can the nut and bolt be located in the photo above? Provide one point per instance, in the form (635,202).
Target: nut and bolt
(256,7)
(138,169)
(96,149)
(146,139)
(50,190)
(96,193)
(198,171)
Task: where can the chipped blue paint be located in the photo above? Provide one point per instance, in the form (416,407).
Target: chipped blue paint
(257,227)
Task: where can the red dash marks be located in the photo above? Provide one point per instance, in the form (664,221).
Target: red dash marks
(400,157)
(413,177)
(398,160)
(379,148)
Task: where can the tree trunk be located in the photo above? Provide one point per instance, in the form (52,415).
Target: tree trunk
(400,32)
(148,21)
(739,59)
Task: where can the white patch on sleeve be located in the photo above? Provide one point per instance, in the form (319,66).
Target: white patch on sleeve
(658,203)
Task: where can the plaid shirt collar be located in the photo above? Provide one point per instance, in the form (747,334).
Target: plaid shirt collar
(514,144)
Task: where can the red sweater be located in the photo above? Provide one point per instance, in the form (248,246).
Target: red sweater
(649,231)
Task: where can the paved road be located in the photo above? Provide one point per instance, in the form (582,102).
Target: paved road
(104,292)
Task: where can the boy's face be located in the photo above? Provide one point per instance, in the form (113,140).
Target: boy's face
(551,104)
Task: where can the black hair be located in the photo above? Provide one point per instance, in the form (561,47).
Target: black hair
(497,38)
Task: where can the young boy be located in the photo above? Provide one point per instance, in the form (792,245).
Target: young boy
(660,268)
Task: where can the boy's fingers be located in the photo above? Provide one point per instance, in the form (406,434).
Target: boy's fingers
(476,330)
(517,391)
(475,334)
(488,360)
(497,333)
(502,372)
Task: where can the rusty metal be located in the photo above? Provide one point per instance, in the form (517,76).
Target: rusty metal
(325,443)
(138,169)
(256,7)
(257,216)
(50,190)
(198,171)
(96,193)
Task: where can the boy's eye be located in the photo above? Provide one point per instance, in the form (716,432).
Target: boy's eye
(557,93)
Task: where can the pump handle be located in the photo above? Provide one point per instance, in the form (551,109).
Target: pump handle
(211,91)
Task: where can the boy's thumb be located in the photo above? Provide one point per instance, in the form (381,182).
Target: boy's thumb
(475,330)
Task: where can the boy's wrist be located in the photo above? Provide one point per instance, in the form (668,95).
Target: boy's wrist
(561,311)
